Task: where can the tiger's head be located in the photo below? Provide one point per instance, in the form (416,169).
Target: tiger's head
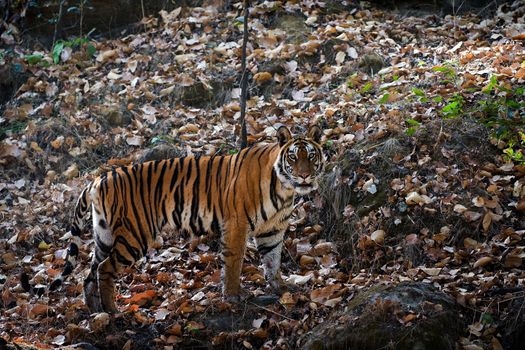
(300,160)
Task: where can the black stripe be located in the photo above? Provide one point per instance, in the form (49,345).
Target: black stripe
(73,249)
(263,249)
(263,212)
(268,234)
(159,191)
(121,259)
(151,206)
(68,268)
(175,174)
(142,241)
(75,231)
(195,200)
(252,226)
(188,172)
(273,189)
(215,227)
(131,250)
(144,207)
(208,178)
(102,246)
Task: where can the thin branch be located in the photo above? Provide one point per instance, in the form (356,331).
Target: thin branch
(271,311)
(59,19)
(244,78)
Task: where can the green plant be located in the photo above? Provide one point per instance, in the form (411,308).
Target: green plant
(83,42)
(453,107)
(36,59)
(384,98)
(366,88)
(447,70)
(503,111)
(414,125)
(420,94)
(12,128)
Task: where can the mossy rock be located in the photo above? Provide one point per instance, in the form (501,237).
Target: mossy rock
(371,63)
(376,319)
(211,95)
(293,24)
(162,151)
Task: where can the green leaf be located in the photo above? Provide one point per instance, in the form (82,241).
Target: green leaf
(493,83)
(91,50)
(411,131)
(413,122)
(418,92)
(366,88)
(437,99)
(34,59)
(384,98)
(450,107)
(487,318)
(57,50)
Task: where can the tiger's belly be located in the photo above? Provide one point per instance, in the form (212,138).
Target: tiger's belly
(276,222)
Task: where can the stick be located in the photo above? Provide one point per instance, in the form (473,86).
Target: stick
(59,19)
(244,78)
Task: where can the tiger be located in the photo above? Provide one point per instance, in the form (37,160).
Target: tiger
(247,194)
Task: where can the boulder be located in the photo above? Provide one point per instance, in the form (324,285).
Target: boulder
(409,316)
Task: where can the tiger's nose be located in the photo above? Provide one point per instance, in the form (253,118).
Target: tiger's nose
(304,175)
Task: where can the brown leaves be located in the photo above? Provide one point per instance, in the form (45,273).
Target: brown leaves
(142,298)
(329,295)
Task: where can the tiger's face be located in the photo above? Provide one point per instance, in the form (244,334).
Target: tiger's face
(300,160)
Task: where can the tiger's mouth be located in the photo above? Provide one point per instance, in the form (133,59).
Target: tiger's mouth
(304,187)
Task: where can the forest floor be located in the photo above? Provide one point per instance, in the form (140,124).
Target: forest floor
(423,121)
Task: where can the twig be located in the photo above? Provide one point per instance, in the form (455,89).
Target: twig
(81,16)
(244,78)
(59,19)
(273,312)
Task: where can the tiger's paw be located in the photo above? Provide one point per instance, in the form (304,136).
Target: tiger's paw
(236,298)
(279,286)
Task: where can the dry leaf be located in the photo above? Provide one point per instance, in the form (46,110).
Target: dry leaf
(483,261)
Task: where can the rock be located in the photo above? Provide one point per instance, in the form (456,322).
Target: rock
(116,117)
(371,63)
(295,27)
(212,95)
(162,151)
(409,315)
(197,95)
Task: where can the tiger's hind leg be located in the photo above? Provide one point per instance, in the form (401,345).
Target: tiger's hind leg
(269,246)
(103,245)
(122,255)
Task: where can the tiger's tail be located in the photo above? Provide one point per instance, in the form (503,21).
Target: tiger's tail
(82,210)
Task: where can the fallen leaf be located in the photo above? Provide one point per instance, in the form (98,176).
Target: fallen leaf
(483,261)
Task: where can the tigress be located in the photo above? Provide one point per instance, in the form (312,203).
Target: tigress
(250,193)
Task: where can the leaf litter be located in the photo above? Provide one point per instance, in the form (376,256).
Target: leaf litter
(430,199)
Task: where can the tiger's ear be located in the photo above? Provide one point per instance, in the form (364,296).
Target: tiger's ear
(315,133)
(283,135)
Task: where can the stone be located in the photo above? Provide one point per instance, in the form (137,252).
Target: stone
(411,315)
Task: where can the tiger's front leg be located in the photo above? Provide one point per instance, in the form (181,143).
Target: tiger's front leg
(233,249)
(269,246)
